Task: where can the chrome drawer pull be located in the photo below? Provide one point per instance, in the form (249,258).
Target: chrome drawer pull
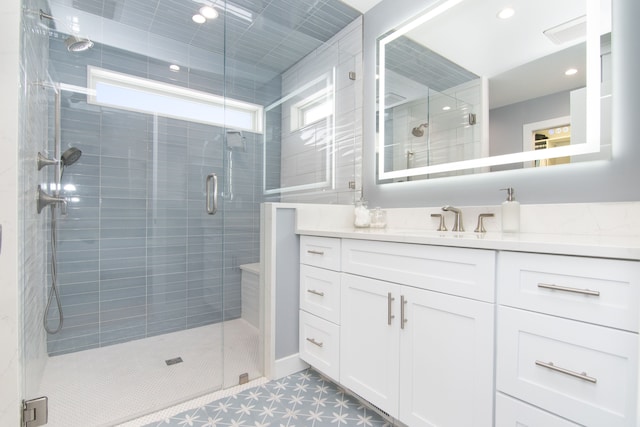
(311,251)
(403,302)
(566,289)
(390,300)
(313,291)
(314,342)
(582,376)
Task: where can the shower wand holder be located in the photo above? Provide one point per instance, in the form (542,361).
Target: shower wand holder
(44,199)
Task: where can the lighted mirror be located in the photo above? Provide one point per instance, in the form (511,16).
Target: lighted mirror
(469,87)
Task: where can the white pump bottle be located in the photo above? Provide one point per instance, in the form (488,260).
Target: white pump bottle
(510,213)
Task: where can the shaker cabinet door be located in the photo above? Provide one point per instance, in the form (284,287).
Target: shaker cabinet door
(446,360)
(369,334)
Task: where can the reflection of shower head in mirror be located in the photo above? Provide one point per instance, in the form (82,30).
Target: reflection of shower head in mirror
(419,130)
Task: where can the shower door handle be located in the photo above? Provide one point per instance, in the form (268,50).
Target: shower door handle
(211,181)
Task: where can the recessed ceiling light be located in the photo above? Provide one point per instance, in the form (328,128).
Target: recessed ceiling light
(199,19)
(208,12)
(570,72)
(506,13)
(446,108)
(174,67)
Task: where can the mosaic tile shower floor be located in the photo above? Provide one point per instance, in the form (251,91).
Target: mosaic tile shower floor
(304,399)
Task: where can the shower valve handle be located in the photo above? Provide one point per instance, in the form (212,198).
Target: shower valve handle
(44,199)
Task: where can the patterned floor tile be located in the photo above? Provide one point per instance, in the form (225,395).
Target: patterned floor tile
(304,399)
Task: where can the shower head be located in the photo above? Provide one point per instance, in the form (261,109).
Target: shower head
(70,156)
(419,130)
(77,44)
(74,43)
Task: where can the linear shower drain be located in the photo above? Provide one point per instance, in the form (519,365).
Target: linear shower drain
(173,361)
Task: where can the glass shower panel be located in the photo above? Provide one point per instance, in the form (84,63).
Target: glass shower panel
(139,265)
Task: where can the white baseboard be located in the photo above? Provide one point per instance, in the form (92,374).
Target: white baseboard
(288,365)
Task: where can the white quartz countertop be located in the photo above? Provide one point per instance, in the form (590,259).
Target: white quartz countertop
(619,247)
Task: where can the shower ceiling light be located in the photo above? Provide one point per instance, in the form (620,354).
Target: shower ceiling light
(174,67)
(209,12)
(570,72)
(199,19)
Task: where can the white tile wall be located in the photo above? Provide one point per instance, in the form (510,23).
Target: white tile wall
(9,215)
(344,51)
(33,122)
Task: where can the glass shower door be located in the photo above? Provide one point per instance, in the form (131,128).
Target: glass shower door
(139,265)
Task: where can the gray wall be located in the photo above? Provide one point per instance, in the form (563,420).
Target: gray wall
(599,181)
(505,123)
(287,283)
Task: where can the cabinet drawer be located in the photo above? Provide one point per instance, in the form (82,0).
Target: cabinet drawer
(594,290)
(579,371)
(320,252)
(320,292)
(320,344)
(514,413)
(457,271)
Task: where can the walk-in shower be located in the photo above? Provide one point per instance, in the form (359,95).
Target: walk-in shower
(143,274)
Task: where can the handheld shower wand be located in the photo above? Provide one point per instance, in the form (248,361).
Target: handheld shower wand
(69,157)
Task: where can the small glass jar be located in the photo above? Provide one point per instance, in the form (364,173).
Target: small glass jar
(361,215)
(378,218)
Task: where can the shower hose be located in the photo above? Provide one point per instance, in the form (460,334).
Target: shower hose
(53,292)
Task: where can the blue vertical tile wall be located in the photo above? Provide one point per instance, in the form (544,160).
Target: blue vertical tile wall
(138,255)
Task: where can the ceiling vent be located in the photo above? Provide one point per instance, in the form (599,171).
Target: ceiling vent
(573,30)
(392,98)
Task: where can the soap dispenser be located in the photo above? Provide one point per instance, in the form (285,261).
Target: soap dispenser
(510,213)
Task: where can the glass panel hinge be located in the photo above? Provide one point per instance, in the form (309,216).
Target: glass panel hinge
(34,412)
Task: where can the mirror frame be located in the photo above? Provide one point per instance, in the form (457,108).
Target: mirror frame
(593,77)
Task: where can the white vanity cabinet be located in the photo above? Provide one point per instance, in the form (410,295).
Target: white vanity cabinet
(423,356)
(567,340)
(445,336)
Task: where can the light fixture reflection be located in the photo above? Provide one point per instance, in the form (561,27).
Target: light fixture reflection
(199,19)
(570,72)
(209,12)
(174,67)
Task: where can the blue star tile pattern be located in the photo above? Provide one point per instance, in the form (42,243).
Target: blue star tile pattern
(304,399)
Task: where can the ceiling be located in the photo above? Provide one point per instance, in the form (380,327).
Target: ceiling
(362,5)
(269,35)
(507,52)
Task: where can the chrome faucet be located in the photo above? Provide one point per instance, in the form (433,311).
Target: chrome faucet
(457,220)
